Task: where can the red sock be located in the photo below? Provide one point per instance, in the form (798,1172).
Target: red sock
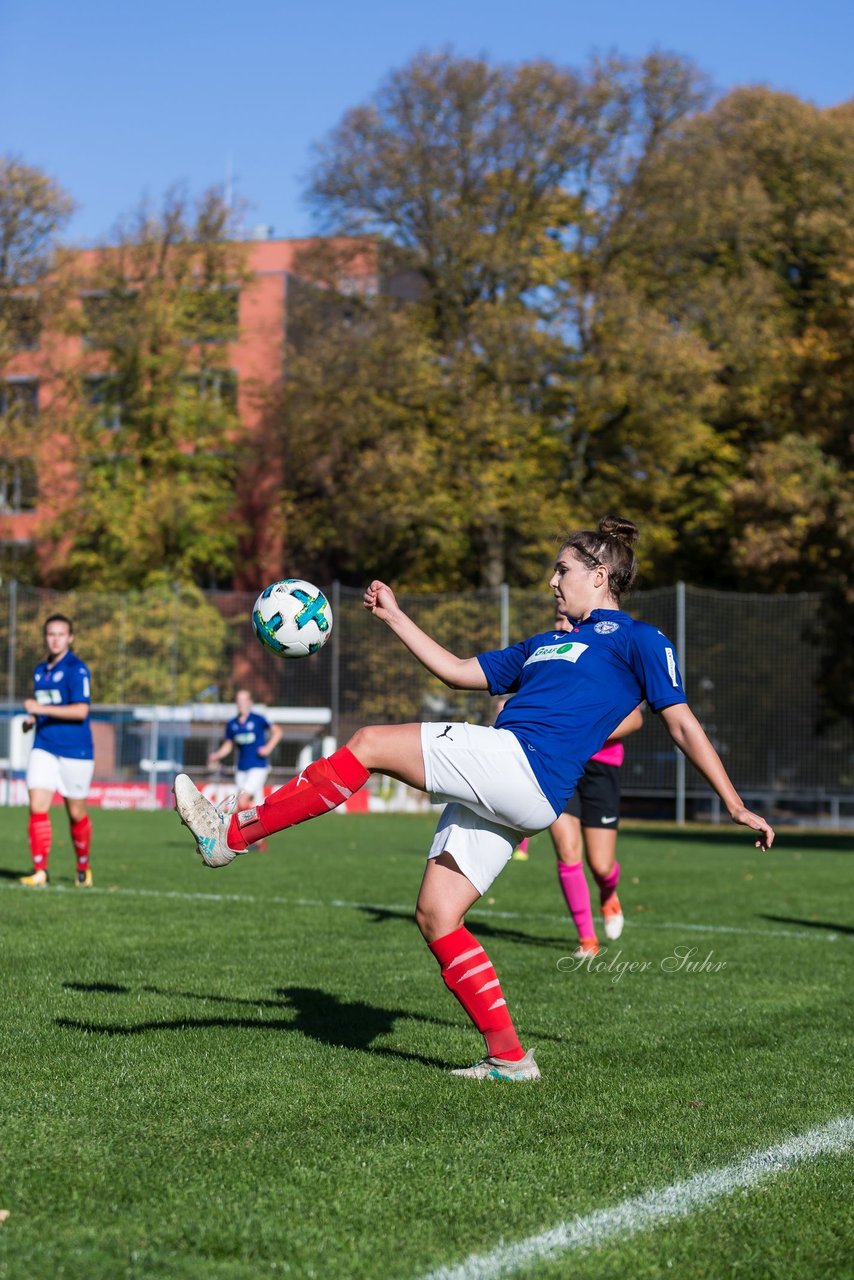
(81,838)
(39,832)
(322,786)
(468,974)
(607,884)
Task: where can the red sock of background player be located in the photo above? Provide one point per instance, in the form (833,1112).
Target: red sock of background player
(39,832)
(81,838)
(574,884)
(322,786)
(607,884)
(468,974)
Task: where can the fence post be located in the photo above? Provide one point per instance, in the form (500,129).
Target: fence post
(504,615)
(335,677)
(11,674)
(680,657)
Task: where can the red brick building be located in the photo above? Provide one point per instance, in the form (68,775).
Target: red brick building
(253,362)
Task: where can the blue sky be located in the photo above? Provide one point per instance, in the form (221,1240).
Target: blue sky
(120,101)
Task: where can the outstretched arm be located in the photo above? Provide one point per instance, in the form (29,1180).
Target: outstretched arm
(222,751)
(274,737)
(457,673)
(688,734)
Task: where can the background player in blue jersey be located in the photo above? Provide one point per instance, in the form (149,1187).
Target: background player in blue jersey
(571,691)
(255,739)
(62,758)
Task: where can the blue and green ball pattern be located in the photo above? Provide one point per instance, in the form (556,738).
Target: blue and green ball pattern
(292,618)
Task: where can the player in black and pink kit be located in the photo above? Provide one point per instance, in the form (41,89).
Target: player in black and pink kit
(571,691)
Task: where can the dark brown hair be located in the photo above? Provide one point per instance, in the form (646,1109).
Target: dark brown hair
(57,617)
(612,546)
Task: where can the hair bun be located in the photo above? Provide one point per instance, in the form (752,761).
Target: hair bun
(619,527)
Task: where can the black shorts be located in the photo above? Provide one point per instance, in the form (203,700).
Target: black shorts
(596,799)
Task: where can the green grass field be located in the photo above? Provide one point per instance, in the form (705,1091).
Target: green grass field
(243,1073)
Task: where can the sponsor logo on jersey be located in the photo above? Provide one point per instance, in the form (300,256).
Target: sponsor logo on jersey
(671,667)
(605,628)
(570,652)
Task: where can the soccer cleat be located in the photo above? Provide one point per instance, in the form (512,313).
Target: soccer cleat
(586,947)
(83,879)
(520,854)
(612,917)
(208,823)
(37,880)
(501,1069)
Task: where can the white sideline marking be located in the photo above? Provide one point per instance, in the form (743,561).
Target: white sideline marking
(653,1207)
(409,909)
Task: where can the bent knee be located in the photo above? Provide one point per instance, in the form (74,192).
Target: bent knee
(434,922)
(362,742)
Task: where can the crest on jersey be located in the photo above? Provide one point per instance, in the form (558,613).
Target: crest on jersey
(605,628)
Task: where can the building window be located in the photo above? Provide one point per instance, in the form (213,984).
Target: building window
(101,395)
(18,485)
(216,386)
(107,317)
(19,397)
(24,321)
(212,314)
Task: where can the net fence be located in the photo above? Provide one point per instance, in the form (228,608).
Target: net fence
(166,662)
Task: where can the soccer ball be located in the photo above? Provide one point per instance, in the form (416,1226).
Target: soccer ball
(292,618)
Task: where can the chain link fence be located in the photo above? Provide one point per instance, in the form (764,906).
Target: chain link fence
(166,664)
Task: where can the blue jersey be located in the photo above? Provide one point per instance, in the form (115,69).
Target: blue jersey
(248,735)
(65,682)
(572,689)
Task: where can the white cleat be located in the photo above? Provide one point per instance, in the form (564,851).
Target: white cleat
(501,1069)
(612,917)
(613,925)
(207,822)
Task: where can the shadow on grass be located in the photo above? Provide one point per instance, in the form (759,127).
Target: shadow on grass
(342,1024)
(479,927)
(810,924)
(6,874)
(315,1013)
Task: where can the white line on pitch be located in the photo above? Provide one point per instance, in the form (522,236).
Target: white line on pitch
(653,1207)
(408,909)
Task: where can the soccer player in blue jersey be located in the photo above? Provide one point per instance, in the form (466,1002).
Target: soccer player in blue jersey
(255,739)
(571,690)
(62,758)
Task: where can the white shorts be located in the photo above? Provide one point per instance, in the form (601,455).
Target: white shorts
(491,792)
(47,772)
(252,781)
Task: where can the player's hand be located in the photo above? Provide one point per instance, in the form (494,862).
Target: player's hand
(31,707)
(380,600)
(753,820)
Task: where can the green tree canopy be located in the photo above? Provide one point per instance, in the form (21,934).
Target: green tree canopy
(152,428)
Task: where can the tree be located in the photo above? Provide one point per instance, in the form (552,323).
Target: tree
(491,191)
(33,211)
(152,426)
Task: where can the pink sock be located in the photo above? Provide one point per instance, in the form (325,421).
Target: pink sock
(607,884)
(574,884)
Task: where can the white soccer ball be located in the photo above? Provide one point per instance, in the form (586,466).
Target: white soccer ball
(292,618)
